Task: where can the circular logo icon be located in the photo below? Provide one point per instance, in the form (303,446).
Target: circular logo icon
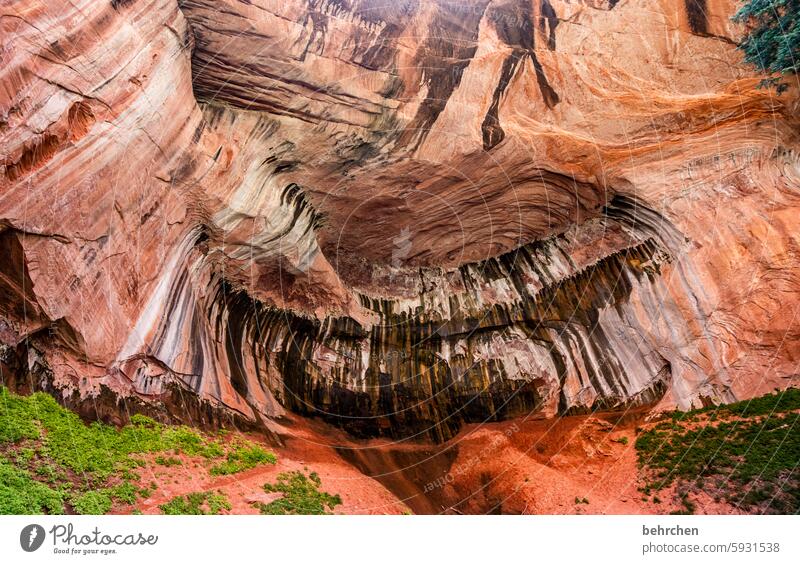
(31,537)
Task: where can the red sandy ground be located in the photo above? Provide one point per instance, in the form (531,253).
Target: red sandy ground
(304,450)
(546,466)
(529,467)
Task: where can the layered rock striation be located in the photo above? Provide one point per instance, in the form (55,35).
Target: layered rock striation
(397,217)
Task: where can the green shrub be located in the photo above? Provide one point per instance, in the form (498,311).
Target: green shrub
(301,496)
(243,457)
(197,503)
(125,492)
(20,494)
(92,503)
(772,40)
(168,461)
(17,419)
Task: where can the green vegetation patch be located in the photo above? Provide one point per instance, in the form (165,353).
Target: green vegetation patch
(197,503)
(92,503)
(746,453)
(243,457)
(20,494)
(168,461)
(301,496)
(51,461)
(772,38)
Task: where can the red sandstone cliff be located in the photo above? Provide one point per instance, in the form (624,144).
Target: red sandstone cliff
(398,216)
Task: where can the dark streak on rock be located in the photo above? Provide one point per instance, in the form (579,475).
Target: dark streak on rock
(517,31)
(696,14)
(548,94)
(319,25)
(117,4)
(493,134)
(443,57)
(380,56)
(17,298)
(548,20)
(522,36)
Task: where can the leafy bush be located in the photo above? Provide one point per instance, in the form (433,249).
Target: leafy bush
(772,41)
(168,461)
(301,496)
(125,492)
(22,495)
(17,420)
(197,503)
(243,457)
(92,503)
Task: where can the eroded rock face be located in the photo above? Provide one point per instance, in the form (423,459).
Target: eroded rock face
(400,218)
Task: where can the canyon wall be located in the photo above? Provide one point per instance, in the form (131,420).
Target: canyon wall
(397,217)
